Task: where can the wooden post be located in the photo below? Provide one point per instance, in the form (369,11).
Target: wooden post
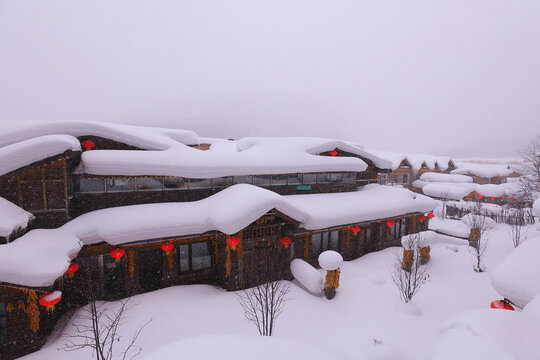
(408,259)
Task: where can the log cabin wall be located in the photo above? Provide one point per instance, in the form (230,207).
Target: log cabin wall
(24,324)
(403,175)
(107,144)
(42,189)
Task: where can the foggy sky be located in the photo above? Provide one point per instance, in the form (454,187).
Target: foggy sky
(457,77)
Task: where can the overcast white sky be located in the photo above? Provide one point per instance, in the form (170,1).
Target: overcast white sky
(457,77)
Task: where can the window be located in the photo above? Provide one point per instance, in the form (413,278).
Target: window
(324,241)
(196,256)
(91,185)
(309,179)
(243,179)
(149,184)
(175,183)
(279,180)
(294,179)
(222,181)
(382,179)
(3,323)
(349,178)
(199,183)
(115,185)
(323,178)
(336,178)
(261,180)
(503,180)
(405,178)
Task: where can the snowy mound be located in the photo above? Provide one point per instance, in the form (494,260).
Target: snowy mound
(449,227)
(448,178)
(533,306)
(241,347)
(473,220)
(488,335)
(517,277)
(429,238)
(330,260)
(12,218)
(307,276)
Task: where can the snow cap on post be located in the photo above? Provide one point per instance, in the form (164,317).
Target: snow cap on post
(330,260)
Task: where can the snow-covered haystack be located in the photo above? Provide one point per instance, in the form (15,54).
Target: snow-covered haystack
(242,347)
(488,335)
(330,260)
(517,277)
(307,276)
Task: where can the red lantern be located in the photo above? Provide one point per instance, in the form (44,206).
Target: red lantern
(286,241)
(88,144)
(233,242)
(167,247)
(414,189)
(421,218)
(511,199)
(492,198)
(72,269)
(501,304)
(378,176)
(431,215)
(50,299)
(333,152)
(480,196)
(355,229)
(390,223)
(117,254)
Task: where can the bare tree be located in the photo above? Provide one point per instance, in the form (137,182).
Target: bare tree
(96,327)
(409,274)
(480,225)
(264,303)
(518,228)
(529,182)
(444,196)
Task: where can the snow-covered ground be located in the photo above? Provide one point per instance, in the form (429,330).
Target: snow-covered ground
(364,321)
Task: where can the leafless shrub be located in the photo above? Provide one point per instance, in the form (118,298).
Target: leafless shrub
(480,224)
(529,182)
(409,277)
(264,303)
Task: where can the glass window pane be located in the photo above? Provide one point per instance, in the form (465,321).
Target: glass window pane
(261,180)
(349,178)
(323,178)
(324,245)
(175,183)
(149,184)
(368,235)
(201,256)
(222,181)
(183,252)
(405,178)
(336,177)
(334,240)
(294,179)
(309,179)
(91,185)
(403,227)
(243,179)
(279,179)
(315,245)
(115,185)
(199,183)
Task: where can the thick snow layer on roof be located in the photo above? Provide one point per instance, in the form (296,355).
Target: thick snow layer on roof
(488,334)
(484,170)
(249,156)
(450,191)
(228,211)
(449,227)
(149,138)
(491,190)
(20,154)
(429,238)
(12,218)
(415,160)
(517,277)
(446,178)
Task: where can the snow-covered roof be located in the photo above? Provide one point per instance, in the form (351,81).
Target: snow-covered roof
(41,256)
(12,218)
(453,191)
(168,152)
(517,277)
(450,227)
(483,170)
(448,178)
(415,160)
(26,152)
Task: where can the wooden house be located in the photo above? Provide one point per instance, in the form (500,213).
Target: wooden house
(146,210)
